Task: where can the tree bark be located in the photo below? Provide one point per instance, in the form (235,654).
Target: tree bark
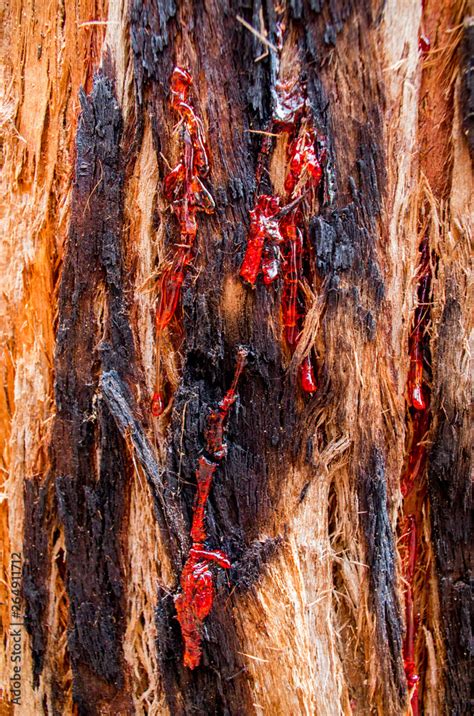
(308,504)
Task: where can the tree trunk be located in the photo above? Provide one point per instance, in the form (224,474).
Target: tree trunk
(343,511)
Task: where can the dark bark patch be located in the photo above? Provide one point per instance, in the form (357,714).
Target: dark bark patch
(218,685)
(343,245)
(92,517)
(449,488)
(89,455)
(467,85)
(336,240)
(149,36)
(39,516)
(380,557)
(248,570)
(258,78)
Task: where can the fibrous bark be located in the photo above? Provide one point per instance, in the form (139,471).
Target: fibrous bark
(98,492)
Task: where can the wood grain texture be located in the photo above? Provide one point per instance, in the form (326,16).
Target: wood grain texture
(98,494)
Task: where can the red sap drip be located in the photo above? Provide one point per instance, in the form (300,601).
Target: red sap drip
(304,163)
(292,272)
(170,288)
(157,404)
(216,421)
(409,642)
(204,475)
(410,561)
(413,487)
(174,184)
(181,81)
(262,226)
(416,463)
(416,375)
(196,598)
(195,601)
(251,264)
(187,194)
(275,241)
(199,197)
(308,381)
(424,44)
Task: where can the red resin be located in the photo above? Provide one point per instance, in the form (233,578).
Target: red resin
(308,381)
(195,601)
(275,241)
(216,421)
(424,44)
(263,228)
(417,453)
(181,82)
(170,288)
(204,475)
(292,273)
(187,195)
(157,404)
(412,485)
(304,163)
(410,620)
(416,463)
(415,377)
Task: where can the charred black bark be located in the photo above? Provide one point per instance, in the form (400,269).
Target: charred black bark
(467,85)
(39,519)
(381,558)
(89,455)
(451,509)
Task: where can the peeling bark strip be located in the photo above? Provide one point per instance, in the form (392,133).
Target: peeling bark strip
(88,453)
(381,558)
(123,409)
